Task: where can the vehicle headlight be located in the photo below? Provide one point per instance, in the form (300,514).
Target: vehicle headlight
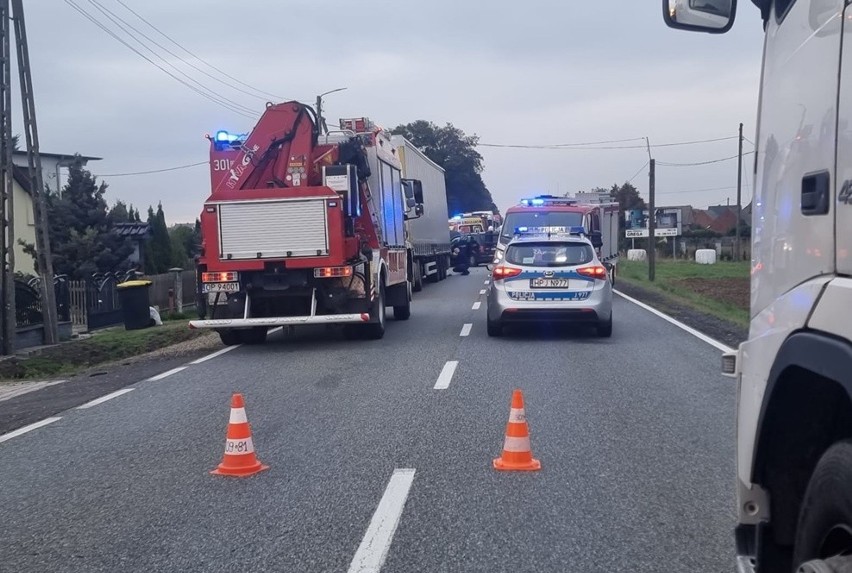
(498,255)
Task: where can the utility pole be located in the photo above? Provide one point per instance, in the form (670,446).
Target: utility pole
(738,254)
(7,189)
(42,229)
(652,225)
(652,222)
(320,119)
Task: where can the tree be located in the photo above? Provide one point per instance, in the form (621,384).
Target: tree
(161,256)
(450,148)
(119,213)
(628,197)
(81,229)
(185,245)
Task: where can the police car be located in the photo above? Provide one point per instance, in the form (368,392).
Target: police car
(550,274)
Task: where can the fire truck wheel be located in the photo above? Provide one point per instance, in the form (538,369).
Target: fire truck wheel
(229,337)
(403,311)
(825,520)
(254,336)
(376,330)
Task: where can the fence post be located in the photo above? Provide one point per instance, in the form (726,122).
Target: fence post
(178,288)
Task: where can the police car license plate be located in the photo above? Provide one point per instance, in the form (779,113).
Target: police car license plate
(220,287)
(549,283)
(548,296)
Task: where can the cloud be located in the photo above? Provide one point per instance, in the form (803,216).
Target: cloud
(544,72)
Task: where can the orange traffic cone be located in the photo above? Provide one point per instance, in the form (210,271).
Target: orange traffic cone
(239,459)
(516,449)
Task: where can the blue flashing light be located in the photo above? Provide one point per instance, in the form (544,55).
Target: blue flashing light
(223,136)
(525,202)
(457,218)
(538,201)
(521,229)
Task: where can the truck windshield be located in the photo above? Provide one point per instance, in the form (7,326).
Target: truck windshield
(549,254)
(538,219)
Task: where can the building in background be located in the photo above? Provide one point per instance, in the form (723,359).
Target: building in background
(138,233)
(54,166)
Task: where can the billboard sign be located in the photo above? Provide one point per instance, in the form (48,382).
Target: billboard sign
(669,223)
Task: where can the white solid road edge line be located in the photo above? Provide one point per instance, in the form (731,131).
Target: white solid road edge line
(446,375)
(25,429)
(166,374)
(476,306)
(103,399)
(377,540)
(465,331)
(700,335)
(214,355)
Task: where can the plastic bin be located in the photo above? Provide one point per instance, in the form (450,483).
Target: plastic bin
(135,304)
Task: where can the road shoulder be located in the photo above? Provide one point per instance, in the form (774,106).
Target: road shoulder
(722,330)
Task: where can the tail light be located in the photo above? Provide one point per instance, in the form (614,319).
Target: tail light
(332,272)
(595,272)
(221,277)
(502,272)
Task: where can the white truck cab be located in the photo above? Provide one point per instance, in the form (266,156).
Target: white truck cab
(794,373)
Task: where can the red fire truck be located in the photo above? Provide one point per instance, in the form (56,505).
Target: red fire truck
(303,227)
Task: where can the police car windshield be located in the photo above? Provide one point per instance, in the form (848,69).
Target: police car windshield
(549,254)
(539,219)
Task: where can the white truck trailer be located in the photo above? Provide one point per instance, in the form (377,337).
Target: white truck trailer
(429,235)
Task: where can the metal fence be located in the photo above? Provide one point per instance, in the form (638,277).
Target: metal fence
(94,303)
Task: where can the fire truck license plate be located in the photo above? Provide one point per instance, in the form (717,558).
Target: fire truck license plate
(220,287)
(549,283)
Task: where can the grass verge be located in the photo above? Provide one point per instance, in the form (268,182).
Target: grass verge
(104,346)
(721,290)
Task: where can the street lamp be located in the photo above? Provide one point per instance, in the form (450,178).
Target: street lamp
(320,118)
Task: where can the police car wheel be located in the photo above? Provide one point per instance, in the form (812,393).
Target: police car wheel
(605,328)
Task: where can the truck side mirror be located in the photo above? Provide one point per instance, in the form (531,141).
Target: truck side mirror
(711,16)
(418,191)
(413,191)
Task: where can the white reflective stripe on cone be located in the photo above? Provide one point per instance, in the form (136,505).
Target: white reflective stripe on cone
(516,444)
(238,416)
(242,446)
(517,415)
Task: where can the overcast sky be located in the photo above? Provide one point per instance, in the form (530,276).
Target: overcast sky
(528,73)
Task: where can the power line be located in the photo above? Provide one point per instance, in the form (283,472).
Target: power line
(663,164)
(171,53)
(97,23)
(121,23)
(203,61)
(696,190)
(154,170)
(590,146)
(638,172)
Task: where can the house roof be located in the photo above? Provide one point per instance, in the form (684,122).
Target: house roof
(58,156)
(133,230)
(22,178)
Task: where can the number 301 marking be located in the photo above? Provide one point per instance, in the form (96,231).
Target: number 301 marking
(222,164)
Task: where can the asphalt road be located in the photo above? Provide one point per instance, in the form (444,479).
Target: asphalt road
(635,435)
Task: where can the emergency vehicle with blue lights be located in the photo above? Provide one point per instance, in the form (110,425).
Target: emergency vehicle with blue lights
(599,222)
(304,227)
(550,274)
